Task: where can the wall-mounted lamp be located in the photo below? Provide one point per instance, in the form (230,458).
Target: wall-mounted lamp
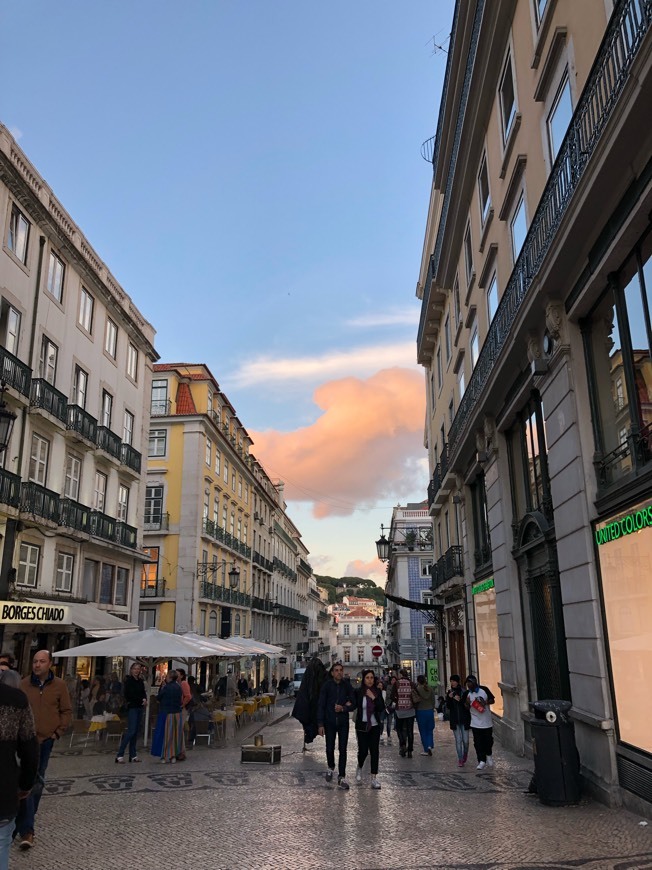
(383,546)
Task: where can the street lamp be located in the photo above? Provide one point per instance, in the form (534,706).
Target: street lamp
(234,577)
(304,631)
(379,621)
(383,546)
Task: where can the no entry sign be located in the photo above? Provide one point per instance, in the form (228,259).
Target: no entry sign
(376,651)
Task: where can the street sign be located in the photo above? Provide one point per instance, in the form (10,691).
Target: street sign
(39,614)
(376,651)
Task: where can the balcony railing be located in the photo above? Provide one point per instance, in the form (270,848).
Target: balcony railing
(155,523)
(262,604)
(102,525)
(14,373)
(73,515)
(109,442)
(43,395)
(153,590)
(161,408)
(126,535)
(224,594)
(81,422)
(260,560)
(450,565)
(39,502)
(625,33)
(130,457)
(9,488)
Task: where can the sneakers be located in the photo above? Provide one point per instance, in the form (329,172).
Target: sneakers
(120,759)
(134,760)
(428,753)
(465,758)
(409,755)
(374,783)
(329,776)
(26,841)
(382,741)
(402,752)
(490,760)
(342,783)
(481,765)
(389,741)
(358,775)
(460,762)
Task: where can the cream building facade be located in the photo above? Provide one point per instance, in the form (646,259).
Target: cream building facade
(535,338)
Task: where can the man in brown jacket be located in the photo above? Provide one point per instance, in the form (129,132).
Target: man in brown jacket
(50,702)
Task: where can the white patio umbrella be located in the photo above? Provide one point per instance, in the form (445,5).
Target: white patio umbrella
(256,647)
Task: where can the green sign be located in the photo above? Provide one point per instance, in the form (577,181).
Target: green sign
(432,672)
(483,587)
(629,524)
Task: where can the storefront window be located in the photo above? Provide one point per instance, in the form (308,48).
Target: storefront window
(486,630)
(625,554)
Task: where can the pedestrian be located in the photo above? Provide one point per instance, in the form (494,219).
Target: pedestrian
(425,714)
(368,724)
(307,699)
(274,684)
(135,696)
(459,718)
(195,704)
(7,661)
(390,709)
(336,700)
(168,743)
(19,756)
(243,686)
(477,701)
(85,700)
(403,694)
(186,704)
(50,702)
(264,686)
(114,698)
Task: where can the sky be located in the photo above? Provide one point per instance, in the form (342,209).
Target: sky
(250,172)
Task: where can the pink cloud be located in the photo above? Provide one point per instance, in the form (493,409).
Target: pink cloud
(364,446)
(374,570)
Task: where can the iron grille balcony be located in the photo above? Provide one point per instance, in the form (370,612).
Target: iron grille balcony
(262,604)
(153,590)
(435,484)
(126,535)
(73,515)
(102,525)
(109,442)
(208,527)
(450,565)
(9,488)
(81,422)
(290,613)
(14,373)
(130,457)
(161,408)
(39,502)
(156,522)
(224,594)
(43,395)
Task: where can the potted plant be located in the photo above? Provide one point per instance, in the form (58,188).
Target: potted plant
(410,539)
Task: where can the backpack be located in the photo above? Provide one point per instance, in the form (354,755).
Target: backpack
(490,695)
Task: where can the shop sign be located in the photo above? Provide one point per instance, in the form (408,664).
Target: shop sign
(483,587)
(432,672)
(627,525)
(23,612)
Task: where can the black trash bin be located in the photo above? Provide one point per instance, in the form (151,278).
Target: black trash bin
(556,760)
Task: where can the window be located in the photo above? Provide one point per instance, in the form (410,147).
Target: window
(212,624)
(218,457)
(347,654)
(559,117)
(451,413)
(159,398)
(91,569)
(132,362)
(226,471)
(360,654)
(518,228)
(447,337)
(439,371)
(456,301)
(18,234)
(233,481)
(106,584)
(107,409)
(56,271)
(10,328)
(79,387)
(99,492)
(461,386)
(38,459)
(157,442)
(207,498)
(468,254)
(153,506)
(121,581)
(360,630)
(240,485)
(483,190)
(123,503)
(246,493)
(47,364)
(111,338)
(209,451)
(216,511)
(539,10)
(236,626)
(86,305)
(28,562)
(507,97)
(72,477)
(424,567)
(146,619)
(492,298)
(474,344)
(63,579)
(128,428)
(347,630)
(202,622)
(232,525)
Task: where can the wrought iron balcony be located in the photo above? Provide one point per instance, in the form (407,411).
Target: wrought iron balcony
(126,535)
(313,633)
(450,565)
(262,604)
(9,488)
(161,408)
(305,566)
(224,594)
(262,562)
(428,149)
(81,422)
(208,527)
(156,522)
(130,457)
(625,33)
(153,590)
(435,484)
(39,502)
(109,442)
(483,556)
(44,396)
(73,515)
(14,373)
(102,525)
(322,614)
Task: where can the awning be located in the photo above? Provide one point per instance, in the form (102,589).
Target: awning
(406,602)
(95,622)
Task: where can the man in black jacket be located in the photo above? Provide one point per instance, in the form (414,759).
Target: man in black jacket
(135,696)
(19,758)
(336,700)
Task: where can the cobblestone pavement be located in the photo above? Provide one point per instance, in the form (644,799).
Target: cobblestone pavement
(213,812)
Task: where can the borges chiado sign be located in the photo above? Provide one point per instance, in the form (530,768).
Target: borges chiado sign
(26,612)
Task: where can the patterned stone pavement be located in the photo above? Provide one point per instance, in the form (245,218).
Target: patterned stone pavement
(213,812)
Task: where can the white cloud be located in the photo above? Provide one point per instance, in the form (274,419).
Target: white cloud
(402,317)
(357,362)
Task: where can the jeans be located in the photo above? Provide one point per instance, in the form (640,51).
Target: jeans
(134,715)
(426,725)
(483,740)
(340,728)
(368,744)
(6,831)
(390,721)
(405,731)
(29,807)
(461,741)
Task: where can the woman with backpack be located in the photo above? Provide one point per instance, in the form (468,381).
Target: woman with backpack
(402,696)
